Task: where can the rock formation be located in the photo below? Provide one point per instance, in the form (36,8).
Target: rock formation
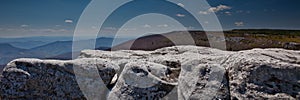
(179,72)
(38,79)
(269,73)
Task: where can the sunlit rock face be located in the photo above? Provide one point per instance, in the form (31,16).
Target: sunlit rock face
(52,79)
(179,72)
(264,73)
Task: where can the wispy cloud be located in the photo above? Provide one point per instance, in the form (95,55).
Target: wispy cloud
(147,26)
(68,21)
(204,12)
(36,30)
(215,9)
(219,8)
(239,23)
(228,13)
(180,15)
(109,29)
(190,28)
(24,25)
(21,32)
(163,25)
(180,4)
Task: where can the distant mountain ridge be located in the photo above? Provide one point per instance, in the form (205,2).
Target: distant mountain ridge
(57,49)
(9,52)
(236,40)
(28,44)
(8,49)
(38,38)
(31,42)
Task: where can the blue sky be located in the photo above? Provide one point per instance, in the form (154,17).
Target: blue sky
(24,18)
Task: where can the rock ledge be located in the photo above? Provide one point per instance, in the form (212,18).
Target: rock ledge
(179,72)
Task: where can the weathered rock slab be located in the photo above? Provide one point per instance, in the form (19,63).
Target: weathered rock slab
(203,80)
(142,81)
(52,79)
(264,74)
(179,72)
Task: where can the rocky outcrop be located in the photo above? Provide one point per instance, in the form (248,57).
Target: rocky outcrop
(179,72)
(141,81)
(203,80)
(268,74)
(39,79)
(169,61)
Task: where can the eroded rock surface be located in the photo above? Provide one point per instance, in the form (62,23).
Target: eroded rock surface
(205,80)
(142,81)
(52,79)
(179,72)
(171,57)
(264,74)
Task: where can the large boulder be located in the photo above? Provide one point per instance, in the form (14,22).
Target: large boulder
(53,79)
(142,81)
(264,74)
(203,80)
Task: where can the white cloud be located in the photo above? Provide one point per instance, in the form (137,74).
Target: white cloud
(68,21)
(228,13)
(24,25)
(203,12)
(47,30)
(180,15)
(239,23)
(163,25)
(37,30)
(215,9)
(147,26)
(110,28)
(219,8)
(128,29)
(180,4)
(54,30)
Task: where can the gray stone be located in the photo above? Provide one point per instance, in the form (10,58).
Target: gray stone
(142,81)
(179,72)
(264,74)
(202,80)
(52,79)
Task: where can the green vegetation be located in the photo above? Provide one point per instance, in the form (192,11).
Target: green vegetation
(275,35)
